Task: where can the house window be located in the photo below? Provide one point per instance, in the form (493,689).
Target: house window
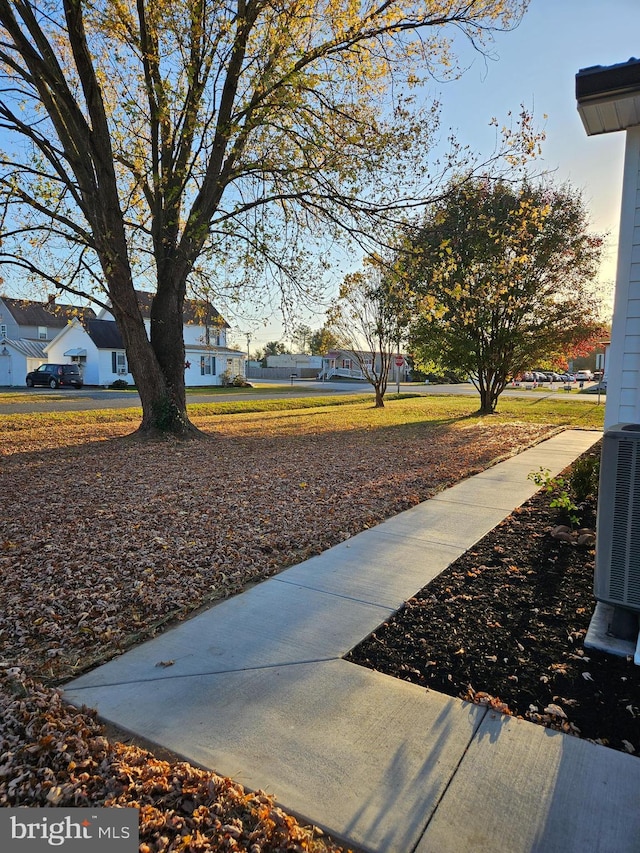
(207,365)
(346,363)
(42,333)
(3,330)
(213,336)
(119,363)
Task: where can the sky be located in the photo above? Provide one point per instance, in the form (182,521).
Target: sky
(535,65)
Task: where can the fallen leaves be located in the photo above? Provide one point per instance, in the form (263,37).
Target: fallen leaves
(128,537)
(55,755)
(103,543)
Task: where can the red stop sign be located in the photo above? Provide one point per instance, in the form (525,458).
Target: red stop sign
(399,361)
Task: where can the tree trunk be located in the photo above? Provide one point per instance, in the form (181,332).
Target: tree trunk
(379,404)
(488,401)
(157,366)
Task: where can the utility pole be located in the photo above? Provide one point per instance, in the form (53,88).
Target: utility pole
(246,370)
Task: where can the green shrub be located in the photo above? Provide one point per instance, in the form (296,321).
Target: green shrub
(573,492)
(240,382)
(119,384)
(584,478)
(557,486)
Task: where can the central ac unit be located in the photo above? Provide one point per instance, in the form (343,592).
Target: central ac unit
(617,572)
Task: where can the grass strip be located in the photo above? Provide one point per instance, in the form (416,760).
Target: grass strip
(340,412)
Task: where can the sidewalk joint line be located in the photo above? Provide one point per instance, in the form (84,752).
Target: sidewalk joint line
(201,674)
(451,778)
(387,607)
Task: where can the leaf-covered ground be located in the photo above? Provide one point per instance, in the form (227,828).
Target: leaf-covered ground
(105,541)
(505,624)
(55,755)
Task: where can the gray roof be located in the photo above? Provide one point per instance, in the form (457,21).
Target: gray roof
(214,350)
(32,349)
(196,312)
(27,313)
(104,334)
(623,78)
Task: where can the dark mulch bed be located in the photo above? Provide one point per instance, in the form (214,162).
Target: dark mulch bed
(505,624)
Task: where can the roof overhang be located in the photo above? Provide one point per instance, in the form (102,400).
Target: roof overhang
(75,351)
(609,97)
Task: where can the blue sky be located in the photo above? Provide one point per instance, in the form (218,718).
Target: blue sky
(535,65)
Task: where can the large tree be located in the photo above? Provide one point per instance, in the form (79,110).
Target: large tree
(160,140)
(502,278)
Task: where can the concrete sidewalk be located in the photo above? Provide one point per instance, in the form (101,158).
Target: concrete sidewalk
(258,691)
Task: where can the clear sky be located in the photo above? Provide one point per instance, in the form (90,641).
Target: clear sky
(535,65)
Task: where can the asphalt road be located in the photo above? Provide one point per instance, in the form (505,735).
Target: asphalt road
(17,400)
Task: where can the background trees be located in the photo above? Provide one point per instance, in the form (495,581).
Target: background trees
(370,319)
(196,142)
(301,338)
(500,276)
(322,341)
(270,348)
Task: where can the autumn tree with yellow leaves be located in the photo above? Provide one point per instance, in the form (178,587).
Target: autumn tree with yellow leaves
(501,276)
(171,143)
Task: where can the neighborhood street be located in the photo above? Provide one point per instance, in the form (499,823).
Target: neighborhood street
(21,400)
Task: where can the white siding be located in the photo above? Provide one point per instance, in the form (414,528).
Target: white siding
(16,366)
(198,335)
(105,369)
(74,336)
(623,373)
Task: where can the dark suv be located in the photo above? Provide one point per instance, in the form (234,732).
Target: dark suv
(55,375)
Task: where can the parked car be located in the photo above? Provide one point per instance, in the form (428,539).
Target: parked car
(584,376)
(55,375)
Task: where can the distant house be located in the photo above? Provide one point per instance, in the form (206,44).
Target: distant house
(295,360)
(98,347)
(346,364)
(287,364)
(26,327)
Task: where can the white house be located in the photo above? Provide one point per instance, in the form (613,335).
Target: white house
(97,345)
(608,101)
(25,329)
(296,363)
(17,358)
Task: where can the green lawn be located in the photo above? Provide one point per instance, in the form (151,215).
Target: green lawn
(338,413)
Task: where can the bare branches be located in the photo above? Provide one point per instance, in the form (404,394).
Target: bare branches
(163,130)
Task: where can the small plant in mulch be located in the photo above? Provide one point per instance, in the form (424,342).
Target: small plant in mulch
(575,495)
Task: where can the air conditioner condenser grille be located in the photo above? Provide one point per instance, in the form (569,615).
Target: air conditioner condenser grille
(617,576)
